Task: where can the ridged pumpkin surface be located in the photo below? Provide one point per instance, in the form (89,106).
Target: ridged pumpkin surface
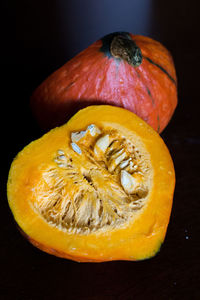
(121,69)
(98,188)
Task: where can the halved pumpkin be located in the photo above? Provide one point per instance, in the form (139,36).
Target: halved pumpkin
(98,188)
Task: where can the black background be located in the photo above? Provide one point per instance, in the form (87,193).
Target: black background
(37,37)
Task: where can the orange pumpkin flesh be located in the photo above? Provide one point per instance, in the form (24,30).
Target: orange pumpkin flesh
(98,188)
(121,69)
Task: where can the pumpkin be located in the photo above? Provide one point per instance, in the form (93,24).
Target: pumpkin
(121,69)
(98,188)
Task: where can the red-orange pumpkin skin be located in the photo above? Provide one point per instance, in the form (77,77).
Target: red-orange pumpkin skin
(121,69)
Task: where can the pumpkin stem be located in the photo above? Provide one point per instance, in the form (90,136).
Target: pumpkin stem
(125,48)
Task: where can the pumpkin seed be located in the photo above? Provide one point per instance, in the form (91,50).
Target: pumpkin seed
(76,136)
(102,144)
(117,153)
(61,152)
(62,157)
(124,163)
(93,130)
(62,165)
(76,148)
(116,161)
(128,182)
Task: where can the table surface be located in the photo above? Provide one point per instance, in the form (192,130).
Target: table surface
(174,273)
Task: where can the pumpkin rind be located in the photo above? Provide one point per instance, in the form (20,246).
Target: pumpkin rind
(146,86)
(139,238)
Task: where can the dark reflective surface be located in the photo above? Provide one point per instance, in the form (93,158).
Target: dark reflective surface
(48,33)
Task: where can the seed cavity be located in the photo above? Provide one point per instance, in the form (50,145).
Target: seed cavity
(102,193)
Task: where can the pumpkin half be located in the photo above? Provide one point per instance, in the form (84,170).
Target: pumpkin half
(98,188)
(121,69)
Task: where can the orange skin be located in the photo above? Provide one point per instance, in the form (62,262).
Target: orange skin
(96,77)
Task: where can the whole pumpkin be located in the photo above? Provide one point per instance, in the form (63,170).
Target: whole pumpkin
(121,69)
